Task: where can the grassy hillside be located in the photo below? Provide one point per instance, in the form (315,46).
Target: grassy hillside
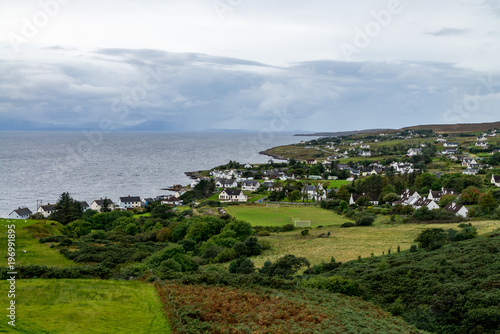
(456,128)
(86,306)
(259,215)
(454,289)
(223,309)
(27,232)
(346,244)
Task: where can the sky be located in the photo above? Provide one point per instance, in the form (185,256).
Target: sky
(195,65)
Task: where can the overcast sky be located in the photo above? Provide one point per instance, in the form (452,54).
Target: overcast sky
(319,65)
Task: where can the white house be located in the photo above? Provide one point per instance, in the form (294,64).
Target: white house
(248,166)
(457,209)
(172,200)
(130,202)
(470,171)
(495,180)
(46,210)
(311,161)
(450,144)
(250,185)
(226,183)
(354,198)
(97,204)
(413,152)
(20,213)
(468,161)
(364,146)
(365,153)
(85,205)
(408,197)
(436,195)
(232,195)
(421,202)
(316,193)
(482,144)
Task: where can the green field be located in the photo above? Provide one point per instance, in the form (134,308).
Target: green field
(259,215)
(85,306)
(36,253)
(346,244)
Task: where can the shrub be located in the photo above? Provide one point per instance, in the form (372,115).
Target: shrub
(348,224)
(263,233)
(284,267)
(365,219)
(241,265)
(432,238)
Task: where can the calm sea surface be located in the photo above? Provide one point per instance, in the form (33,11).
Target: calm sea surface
(41,165)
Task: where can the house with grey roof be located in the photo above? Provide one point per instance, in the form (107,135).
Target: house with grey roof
(20,213)
(233,195)
(97,205)
(130,202)
(457,209)
(250,185)
(46,210)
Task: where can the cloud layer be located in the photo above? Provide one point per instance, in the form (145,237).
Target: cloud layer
(122,88)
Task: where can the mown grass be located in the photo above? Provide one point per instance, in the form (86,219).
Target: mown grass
(85,306)
(259,215)
(27,232)
(346,244)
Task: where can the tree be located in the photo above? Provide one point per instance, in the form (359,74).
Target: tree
(77,228)
(432,238)
(241,265)
(446,199)
(391,197)
(470,195)
(285,266)
(294,196)
(488,202)
(105,205)
(67,210)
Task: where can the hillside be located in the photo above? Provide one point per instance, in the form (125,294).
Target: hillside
(456,128)
(454,289)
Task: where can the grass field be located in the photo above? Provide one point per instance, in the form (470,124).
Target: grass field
(36,253)
(259,215)
(346,244)
(85,306)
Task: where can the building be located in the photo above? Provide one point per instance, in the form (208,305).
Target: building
(250,185)
(470,171)
(20,213)
(232,195)
(457,209)
(316,193)
(46,210)
(436,195)
(97,205)
(495,179)
(172,200)
(130,202)
(408,197)
(226,183)
(373,198)
(421,202)
(85,205)
(413,152)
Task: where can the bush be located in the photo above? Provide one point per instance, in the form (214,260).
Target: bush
(348,224)
(284,267)
(432,238)
(263,233)
(365,219)
(241,265)
(335,284)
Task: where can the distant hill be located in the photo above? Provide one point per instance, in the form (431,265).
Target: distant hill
(438,128)
(456,128)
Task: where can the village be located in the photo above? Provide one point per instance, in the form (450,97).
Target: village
(313,180)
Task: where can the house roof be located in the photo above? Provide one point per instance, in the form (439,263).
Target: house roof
(22,212)
(496,178)
(250,183)
(84,204)
(130,199)
(422,202)
(171,199)
(372,197)
(233,192)
(101,201)
(48,207)
(453,207)
(226,181)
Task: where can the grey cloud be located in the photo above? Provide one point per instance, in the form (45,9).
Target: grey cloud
(197,91)
(449,32)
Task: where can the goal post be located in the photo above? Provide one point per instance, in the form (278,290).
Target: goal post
(302,223)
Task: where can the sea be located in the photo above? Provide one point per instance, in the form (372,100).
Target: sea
(36,167)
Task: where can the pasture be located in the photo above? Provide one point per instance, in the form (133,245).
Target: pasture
(85,306)
(260,215)
(27,233)
(346,244)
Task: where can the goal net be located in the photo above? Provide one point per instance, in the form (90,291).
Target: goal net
(301,223)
